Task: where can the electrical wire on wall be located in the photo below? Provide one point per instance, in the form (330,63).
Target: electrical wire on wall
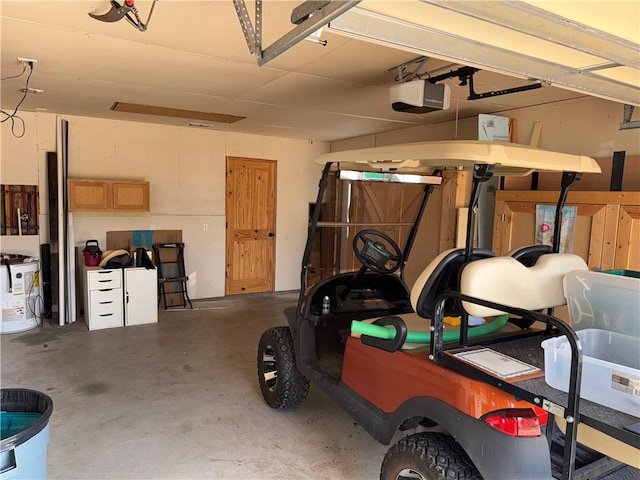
(37,299)
(14,116)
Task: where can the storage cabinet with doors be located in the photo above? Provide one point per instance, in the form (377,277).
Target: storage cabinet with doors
(606,232)
(108,195)
(119,297)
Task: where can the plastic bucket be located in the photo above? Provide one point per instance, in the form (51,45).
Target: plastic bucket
(25,433)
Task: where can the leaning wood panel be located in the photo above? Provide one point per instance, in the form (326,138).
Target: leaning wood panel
(609,238)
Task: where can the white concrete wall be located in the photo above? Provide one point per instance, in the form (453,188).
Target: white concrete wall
(23,161)
(186,171)
(586,126)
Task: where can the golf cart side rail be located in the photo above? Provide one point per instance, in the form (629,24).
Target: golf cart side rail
(571,413)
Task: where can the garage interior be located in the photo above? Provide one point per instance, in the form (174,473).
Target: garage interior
(174,102)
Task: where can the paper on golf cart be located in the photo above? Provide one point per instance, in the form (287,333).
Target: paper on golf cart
(497,363)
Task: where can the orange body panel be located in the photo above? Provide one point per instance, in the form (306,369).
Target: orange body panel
(389,379)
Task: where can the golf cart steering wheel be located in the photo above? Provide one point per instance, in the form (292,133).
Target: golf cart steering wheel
(375,254)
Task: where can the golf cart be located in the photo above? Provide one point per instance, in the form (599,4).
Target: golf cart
(402,355)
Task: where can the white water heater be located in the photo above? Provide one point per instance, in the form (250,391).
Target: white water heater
(20,296)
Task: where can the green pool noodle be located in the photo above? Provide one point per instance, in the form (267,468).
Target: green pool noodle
(425,337)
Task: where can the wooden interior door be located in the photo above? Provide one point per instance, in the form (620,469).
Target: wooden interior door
(251,222)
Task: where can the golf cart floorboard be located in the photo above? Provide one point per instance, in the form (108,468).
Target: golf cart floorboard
(331,365)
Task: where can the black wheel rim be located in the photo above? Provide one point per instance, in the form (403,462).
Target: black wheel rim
(410,474)
(269,368)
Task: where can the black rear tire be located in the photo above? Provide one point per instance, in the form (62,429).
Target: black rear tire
(428,456)
(281,383)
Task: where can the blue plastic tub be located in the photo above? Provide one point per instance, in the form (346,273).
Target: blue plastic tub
(25,434)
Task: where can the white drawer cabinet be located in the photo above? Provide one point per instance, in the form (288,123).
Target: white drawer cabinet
(119,297)
(102,298)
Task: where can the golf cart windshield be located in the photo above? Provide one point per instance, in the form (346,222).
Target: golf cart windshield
(386,189)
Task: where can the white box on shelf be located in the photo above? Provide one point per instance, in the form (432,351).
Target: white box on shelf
(610,368)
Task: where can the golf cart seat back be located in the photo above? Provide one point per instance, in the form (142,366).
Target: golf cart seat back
(507,281)
(529,255)
(440,276)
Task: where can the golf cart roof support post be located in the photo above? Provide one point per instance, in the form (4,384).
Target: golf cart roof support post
(481,173)
(428,190)
(568,179)
(324,181)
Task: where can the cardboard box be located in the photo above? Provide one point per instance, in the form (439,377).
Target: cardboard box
(130,240)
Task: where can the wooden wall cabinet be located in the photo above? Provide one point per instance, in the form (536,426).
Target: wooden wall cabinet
(108,195)
(606,233)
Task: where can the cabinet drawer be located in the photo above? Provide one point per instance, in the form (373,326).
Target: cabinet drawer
(101,306)
(102,279)
(106,301)
(105,320)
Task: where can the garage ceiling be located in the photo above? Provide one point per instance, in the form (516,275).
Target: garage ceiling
(194,57)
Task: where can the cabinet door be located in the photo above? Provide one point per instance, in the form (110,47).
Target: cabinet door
(606,232)
(88,194)
(515,226)
(141,296)
(627,254)
(131,196)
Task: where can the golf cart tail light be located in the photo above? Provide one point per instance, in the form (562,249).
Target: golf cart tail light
(515,422)
(542,415)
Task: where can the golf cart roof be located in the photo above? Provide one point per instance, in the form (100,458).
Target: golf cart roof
(510,159)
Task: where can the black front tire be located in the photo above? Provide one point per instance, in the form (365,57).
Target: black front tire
(281,383)
(428,456)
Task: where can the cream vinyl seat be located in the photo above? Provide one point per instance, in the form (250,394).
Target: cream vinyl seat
(502,280)
(439,276)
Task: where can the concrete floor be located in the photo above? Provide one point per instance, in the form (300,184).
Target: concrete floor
(180,399)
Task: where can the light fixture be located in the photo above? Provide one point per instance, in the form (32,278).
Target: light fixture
(388,177)
(174,112)
(31,90)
